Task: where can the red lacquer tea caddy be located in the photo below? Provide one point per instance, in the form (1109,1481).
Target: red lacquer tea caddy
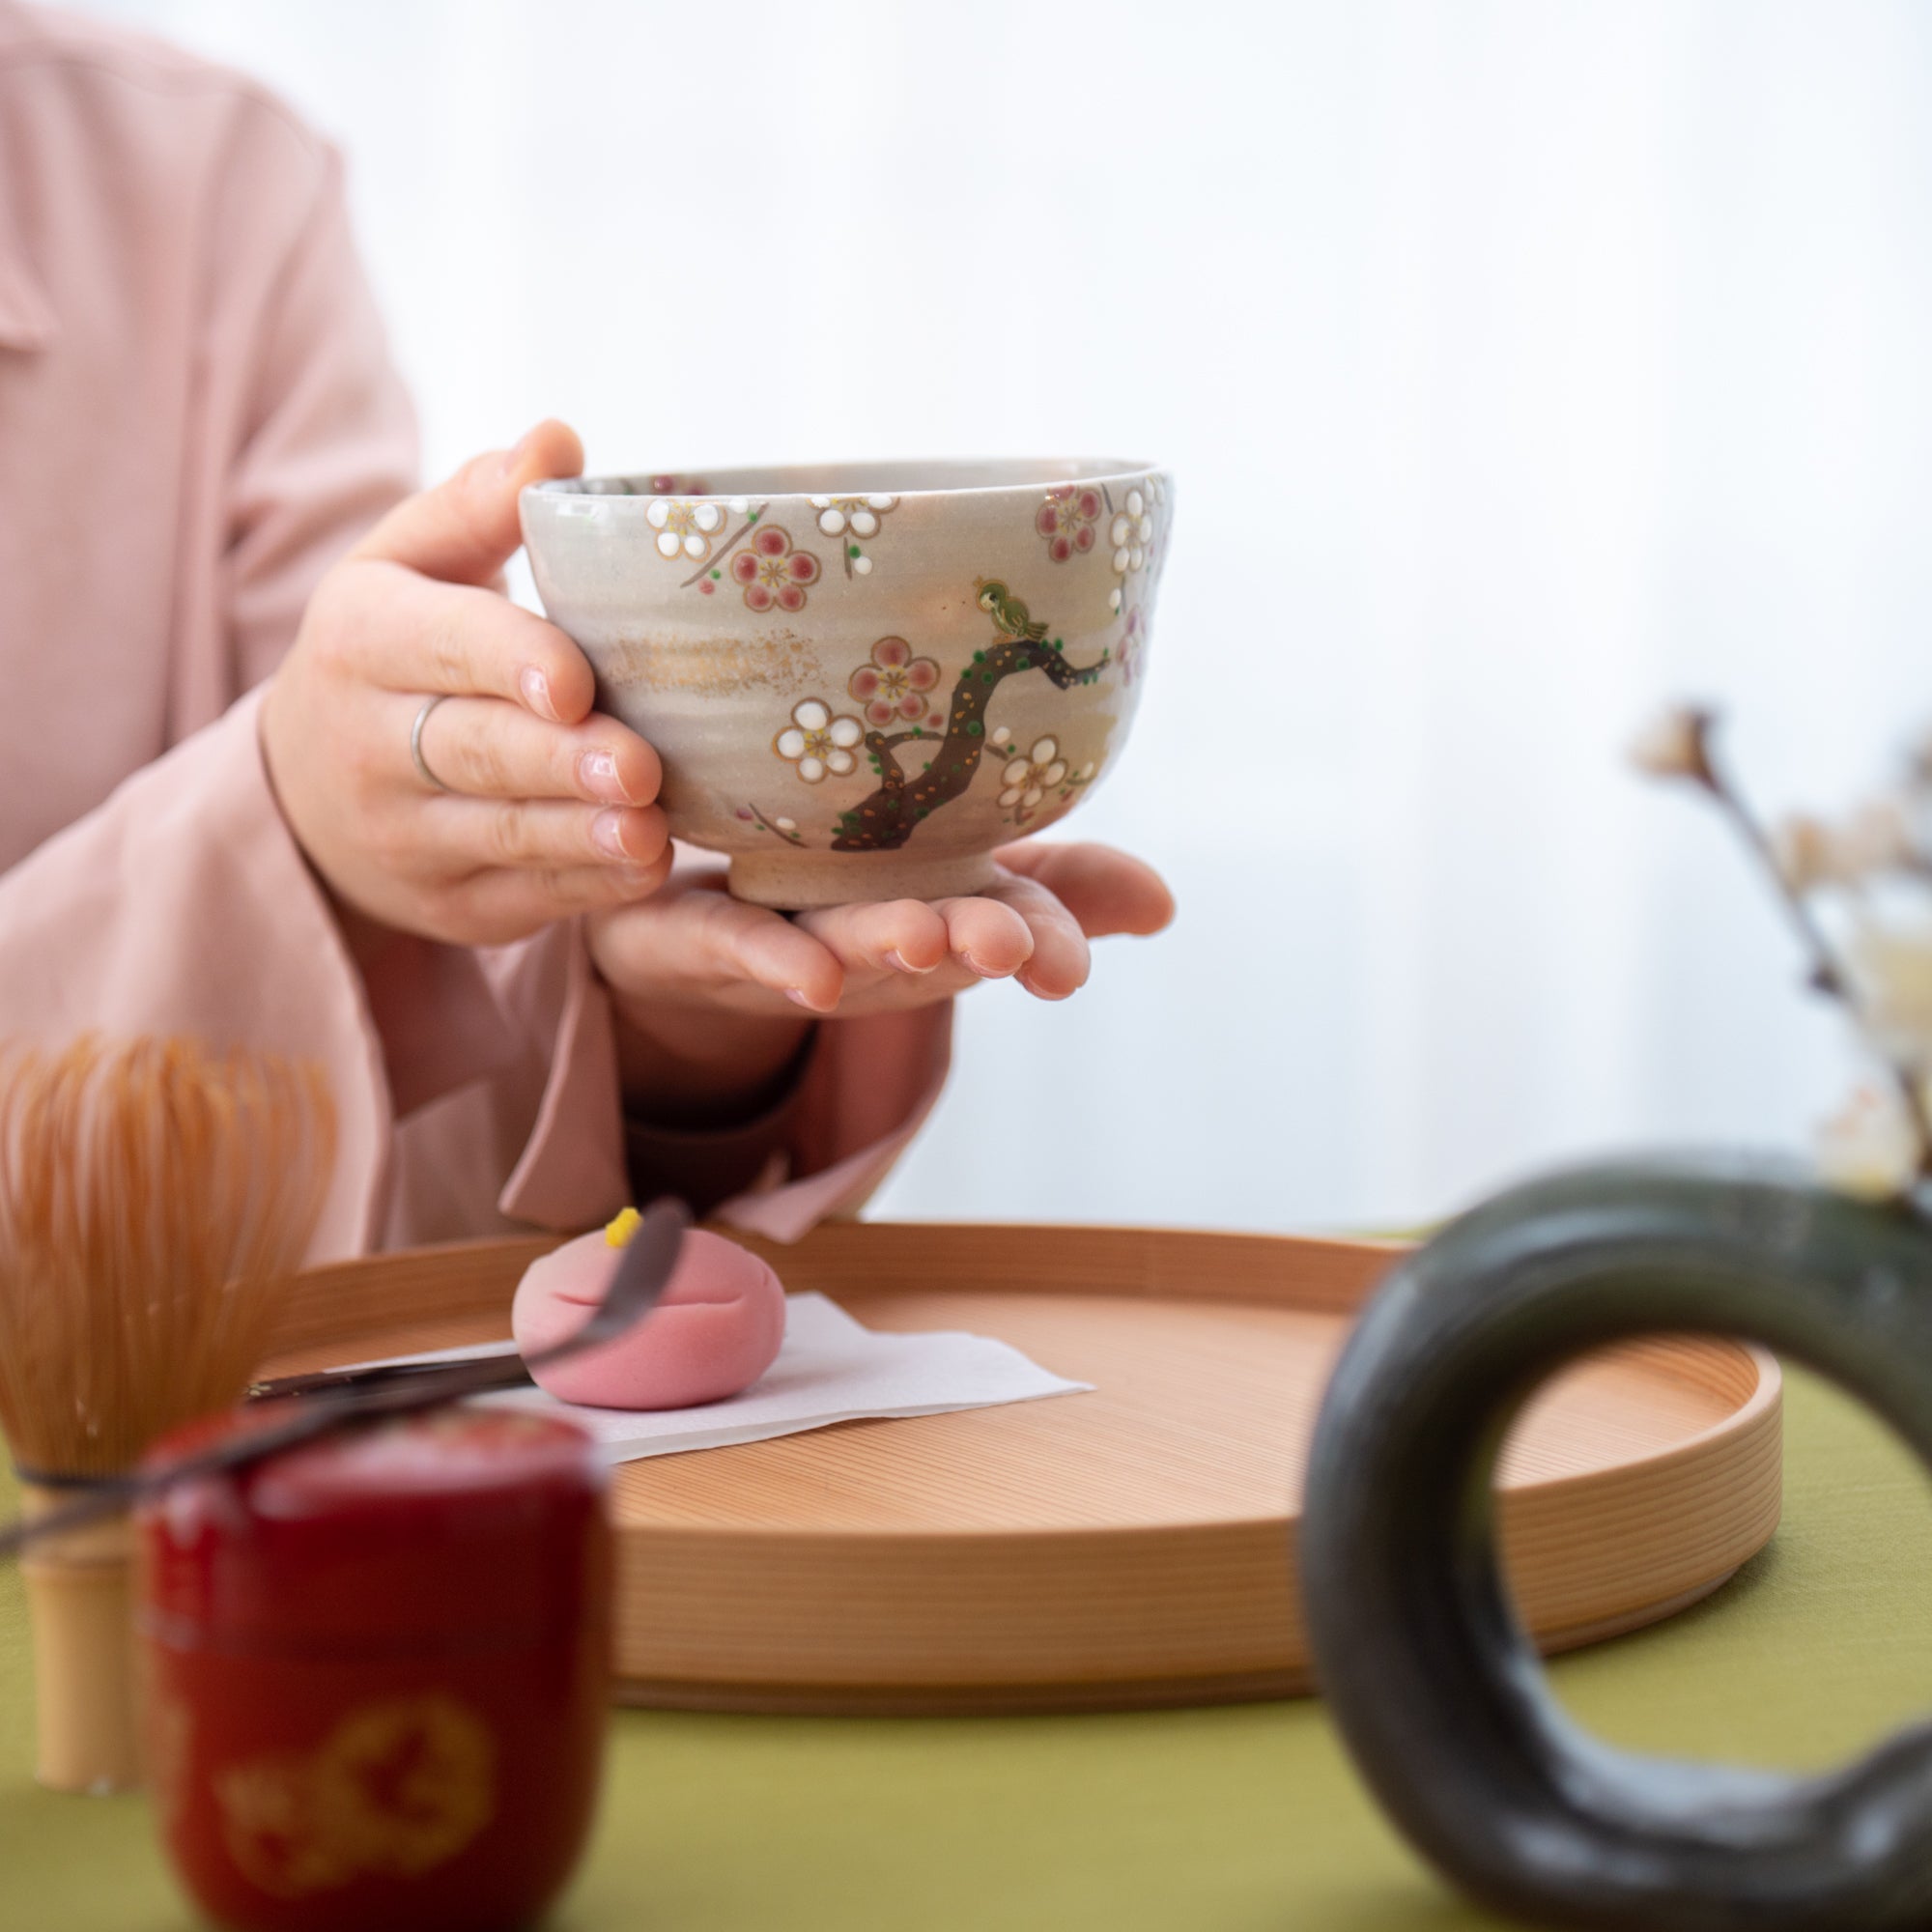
(376,1671)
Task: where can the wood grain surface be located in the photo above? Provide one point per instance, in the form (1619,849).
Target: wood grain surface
(1129,1547)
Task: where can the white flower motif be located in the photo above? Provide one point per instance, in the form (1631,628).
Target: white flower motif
(1026,781)
(817,742)
(1130,533)
(784,824)
(858,514)
(684,530)
(1003,736)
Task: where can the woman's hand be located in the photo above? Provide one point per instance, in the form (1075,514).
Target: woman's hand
(712,994)
(549,809)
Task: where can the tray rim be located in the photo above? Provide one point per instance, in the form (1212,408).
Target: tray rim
(1766,1395)
(1022,1658)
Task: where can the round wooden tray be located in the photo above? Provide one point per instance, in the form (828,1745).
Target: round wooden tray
(1129,1547)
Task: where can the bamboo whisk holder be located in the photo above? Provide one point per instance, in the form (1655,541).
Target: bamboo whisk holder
(80,1600)
(153,1196)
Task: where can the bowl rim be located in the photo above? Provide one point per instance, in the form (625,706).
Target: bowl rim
(775,482)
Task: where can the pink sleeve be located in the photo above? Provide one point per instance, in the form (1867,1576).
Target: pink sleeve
(871,1087)
(477,1091)
(820,1150)
(182,905)
(307,437)
(865,1092)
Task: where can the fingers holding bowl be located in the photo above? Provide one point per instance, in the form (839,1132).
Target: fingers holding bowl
(1058,958)
(990,938)
(503,903)
(403,631)
(1016,930)
(1107,890)
(463,529)
(1032,924)
(886,936)
(460,836)
(697,944)
(487,748)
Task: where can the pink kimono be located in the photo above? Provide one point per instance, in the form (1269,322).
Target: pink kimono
(197,414)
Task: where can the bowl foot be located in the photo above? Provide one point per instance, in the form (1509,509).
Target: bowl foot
(797,881)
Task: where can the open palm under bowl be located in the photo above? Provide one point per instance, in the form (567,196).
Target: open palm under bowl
(863,678)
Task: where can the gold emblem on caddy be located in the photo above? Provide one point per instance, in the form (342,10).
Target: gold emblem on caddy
(394,1790)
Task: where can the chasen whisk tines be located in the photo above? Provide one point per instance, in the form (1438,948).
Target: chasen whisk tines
(153,1196)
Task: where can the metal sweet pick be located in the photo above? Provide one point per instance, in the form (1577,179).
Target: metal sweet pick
(639,1279)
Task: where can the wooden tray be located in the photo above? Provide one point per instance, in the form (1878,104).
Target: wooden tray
(1131,1547)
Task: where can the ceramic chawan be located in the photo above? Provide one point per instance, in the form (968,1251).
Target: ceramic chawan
(861,678)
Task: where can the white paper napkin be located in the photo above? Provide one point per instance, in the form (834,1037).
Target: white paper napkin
(831,1369)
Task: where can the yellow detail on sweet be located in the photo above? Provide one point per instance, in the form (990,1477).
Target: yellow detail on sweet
(618,1234)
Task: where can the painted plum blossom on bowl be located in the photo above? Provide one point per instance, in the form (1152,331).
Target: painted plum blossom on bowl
(774,572)
(852,520)
(1131,534)
(1028,778)
(685,529)
(817,742)
(892,685)
(1067,519)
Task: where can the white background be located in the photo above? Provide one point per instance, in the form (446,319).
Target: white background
(1522,364)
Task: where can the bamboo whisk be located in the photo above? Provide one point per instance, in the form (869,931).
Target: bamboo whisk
(153,1196)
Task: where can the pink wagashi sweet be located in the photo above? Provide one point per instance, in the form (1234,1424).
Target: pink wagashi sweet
(717,1329)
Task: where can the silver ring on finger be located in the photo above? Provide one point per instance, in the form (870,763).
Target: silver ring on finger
(428,778)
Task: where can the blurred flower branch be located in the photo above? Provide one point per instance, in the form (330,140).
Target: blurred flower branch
(1880,1144)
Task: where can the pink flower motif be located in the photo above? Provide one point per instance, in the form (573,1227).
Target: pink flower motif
(1066,520)
(772,572)
(895,684)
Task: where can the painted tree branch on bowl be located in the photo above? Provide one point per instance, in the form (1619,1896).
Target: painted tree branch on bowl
(892,814)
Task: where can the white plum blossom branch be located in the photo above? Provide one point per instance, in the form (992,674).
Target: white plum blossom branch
(1679,745)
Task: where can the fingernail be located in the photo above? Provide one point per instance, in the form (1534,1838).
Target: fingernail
(796,995)
(607,832)
(535,687)
(899,963)
(985,972)
(514,455)
(1040,992)
(597,772)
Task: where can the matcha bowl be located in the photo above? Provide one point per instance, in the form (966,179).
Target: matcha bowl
(863,678)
